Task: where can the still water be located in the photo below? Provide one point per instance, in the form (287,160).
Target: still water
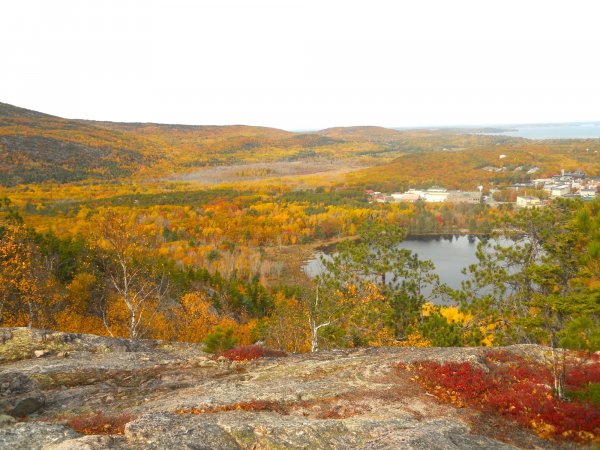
(566,131)
(450,254)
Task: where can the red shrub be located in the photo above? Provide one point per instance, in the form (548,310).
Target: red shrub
(249,352)
(519,389)
(100,424)
(580,375)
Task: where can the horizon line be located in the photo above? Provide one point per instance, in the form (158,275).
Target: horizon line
(468,126)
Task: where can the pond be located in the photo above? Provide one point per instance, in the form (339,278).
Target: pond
(450,254)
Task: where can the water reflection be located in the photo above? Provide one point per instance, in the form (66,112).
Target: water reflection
(450,254)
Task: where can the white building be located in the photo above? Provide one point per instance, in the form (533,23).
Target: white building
(436,195)
(528,202)
(560,190)
(587,192)
(412,195)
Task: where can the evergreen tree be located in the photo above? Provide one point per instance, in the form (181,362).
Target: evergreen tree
(538,278)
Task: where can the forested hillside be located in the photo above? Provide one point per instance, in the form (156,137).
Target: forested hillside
(36,147)
(189,146)
(499,164)
(199,234)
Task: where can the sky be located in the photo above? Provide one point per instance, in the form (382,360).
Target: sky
(304,64)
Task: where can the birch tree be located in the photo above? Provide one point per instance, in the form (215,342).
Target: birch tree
(139,287)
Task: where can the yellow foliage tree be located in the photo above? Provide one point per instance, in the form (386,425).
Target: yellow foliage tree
(21,281)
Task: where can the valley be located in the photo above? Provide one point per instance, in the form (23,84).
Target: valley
(197,237)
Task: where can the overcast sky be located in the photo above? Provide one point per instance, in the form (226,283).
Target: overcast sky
(304,64)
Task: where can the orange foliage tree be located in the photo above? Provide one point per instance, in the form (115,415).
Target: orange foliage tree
(22,281)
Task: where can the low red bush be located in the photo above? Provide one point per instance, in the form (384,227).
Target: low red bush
(100,424)
(250,352)
(580,375)
(519,389)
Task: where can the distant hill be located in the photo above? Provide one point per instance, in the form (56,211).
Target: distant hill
(153,129)
(468,168)
(38,147)
(10,111)
(199,145)
(364,133)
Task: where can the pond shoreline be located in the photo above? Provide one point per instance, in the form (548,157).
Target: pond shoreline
(449,252)
(330,246)
(451,233)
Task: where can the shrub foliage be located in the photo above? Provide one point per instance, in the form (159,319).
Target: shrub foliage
(250,352)
(518,389)
(100,424)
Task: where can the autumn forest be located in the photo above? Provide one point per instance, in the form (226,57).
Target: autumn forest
(199,234)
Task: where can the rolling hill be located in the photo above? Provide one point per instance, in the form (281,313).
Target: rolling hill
(364,133)
(37,147)
(470,167)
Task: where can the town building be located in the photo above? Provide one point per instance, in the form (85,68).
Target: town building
(436,195)
(409,196)
(560,190)
(528,201)
(464,197)
(587,193)
(431,195)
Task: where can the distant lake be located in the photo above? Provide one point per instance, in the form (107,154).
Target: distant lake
(566,131)
(450,254)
